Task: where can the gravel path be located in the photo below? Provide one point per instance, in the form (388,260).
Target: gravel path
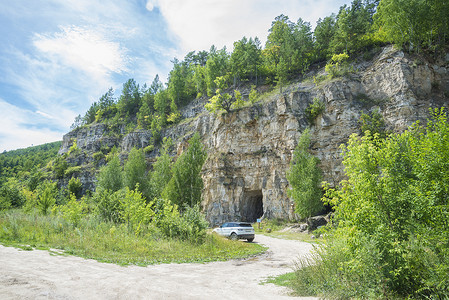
(40,275)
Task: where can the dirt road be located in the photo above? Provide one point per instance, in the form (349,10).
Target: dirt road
(40,275)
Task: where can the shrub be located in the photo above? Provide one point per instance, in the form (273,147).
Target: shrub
(46,197)
(74,211)
(392,211)
(70,171)
(314,110)
(75,187)
(253,95)
(97,156)
(338,66)
(108,204)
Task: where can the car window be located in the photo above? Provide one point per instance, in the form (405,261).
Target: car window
(245,225)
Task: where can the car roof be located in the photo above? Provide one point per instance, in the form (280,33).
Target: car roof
(237,223)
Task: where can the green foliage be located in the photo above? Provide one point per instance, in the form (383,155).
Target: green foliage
(338,66)
(46,197)
(134,210)
(324,33)
(70,171)
(246,58)
(73,211)
(162,172)
(110,176)
(75,187)
(216,66)
(353,27)
(59,167)
(304,177)
(221,101)
(374,123)
(253,95)
(112,243)
(108,204)
(407,23)
(129,101)
(186,184)
(134,174)
(392,212)
(98,156)
(11,194)
(314,110)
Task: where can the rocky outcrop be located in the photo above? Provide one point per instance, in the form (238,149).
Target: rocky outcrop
(250,149)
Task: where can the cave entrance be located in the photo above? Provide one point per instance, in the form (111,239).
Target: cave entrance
(251,206)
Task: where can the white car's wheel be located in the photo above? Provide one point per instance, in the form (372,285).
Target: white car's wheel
(234,236)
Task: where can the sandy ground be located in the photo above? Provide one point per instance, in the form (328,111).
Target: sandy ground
(41,275)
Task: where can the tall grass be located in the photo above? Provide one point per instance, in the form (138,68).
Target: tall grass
(109,242)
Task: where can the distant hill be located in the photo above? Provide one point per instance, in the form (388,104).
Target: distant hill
(14,163)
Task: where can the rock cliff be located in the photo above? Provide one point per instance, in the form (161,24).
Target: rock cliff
(250,149)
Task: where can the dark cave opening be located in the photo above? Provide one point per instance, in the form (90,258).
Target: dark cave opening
(251,206)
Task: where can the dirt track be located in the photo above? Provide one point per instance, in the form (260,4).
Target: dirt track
(40,275)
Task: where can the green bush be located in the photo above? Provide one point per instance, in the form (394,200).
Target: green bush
(97,156)
(108,204)
(73,211)
(70,171)
(314,110)
(46,197)
(338,65)
(75,187)
(392,238)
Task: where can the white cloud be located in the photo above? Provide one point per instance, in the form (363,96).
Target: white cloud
(199,24)
(83,49)
(15,134)
(150,5)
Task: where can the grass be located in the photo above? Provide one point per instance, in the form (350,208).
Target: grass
(286,280)
(274,228)
(111,243)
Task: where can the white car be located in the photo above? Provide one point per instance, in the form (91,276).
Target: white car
(236,230)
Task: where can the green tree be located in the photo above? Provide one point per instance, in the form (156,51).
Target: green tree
(304,177)
(186,184)
(109,178)
(144,116)
(134,175)
(162,172)
(134,210)
(246,58)
(353,24)
(221,101)
(47,196)
(130,99)
(161,107)
(374,123)
(324,33)
(280,44)
(216,66)
(75,187)
(303,41)
(407,23)
(392,216)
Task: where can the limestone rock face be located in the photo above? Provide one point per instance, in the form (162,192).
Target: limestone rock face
(250,149)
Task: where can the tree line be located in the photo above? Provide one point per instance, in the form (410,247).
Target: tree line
(290,49)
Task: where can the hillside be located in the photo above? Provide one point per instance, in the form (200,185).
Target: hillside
(250,148)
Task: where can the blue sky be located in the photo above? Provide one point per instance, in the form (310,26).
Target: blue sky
(59,56)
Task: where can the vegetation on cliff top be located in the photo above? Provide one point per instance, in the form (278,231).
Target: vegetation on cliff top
(391,215)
